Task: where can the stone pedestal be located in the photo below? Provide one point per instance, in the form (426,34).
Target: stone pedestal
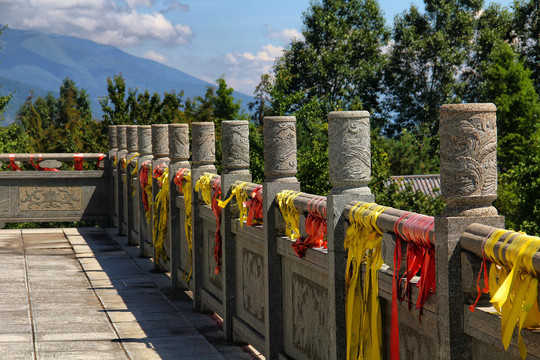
(179,155)
(349,159)
(113,148)
(468,134)
(121,176)
(235,153)
(203,158)
(280,170)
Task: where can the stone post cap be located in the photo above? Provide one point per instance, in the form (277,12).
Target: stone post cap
(280,148)
(179,142)
(122,137)
(145,140)
(132,138)
(468,136)
(349,152)
(203,143)
(113,137)
(160,140)
(235,145)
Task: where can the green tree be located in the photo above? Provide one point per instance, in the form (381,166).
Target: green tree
(4,100)
(527,30)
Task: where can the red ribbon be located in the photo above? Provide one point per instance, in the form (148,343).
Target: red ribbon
(316,228)
(179,177)
(12,165)
(415,229)
(255,206)
(143,181)
(484,268)
(78,158)
(37,166)
(100,158)
(216,209)
(158,171)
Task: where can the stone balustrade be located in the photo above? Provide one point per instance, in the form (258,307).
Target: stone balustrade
(288,306)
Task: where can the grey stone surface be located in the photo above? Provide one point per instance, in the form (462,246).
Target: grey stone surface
(468,134)
(145,140)
(132,204)
(235,146)
(121,136)
(179,142)
(203,145)
(349,152)
(113,142)
(132,135)
(280,148)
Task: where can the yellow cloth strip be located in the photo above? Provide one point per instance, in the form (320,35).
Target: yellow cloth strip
(133,172)
(240,193)
(513,283)
(203,186)
(363,314)
(188,224)
(161,212)
(285,200)
(148,190)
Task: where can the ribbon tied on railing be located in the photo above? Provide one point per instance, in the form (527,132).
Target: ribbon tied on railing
(239,192)
(414,229)
(182,179)
(12,165)
(285,200)
(512,283)
(363,315)
(78,158)
(255,206)
(38,166)
(146,186)
(316,227)
(161,173)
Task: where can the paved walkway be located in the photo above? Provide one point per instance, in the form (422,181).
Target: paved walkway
(77,294)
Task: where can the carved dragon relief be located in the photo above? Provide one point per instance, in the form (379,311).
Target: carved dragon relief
(310,317)
(283,142)
(50,198)
(356,160)
(253,284)
(238,153)
(478,171)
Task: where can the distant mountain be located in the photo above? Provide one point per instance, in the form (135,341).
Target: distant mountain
(38,62)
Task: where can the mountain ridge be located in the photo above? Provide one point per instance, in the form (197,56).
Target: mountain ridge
(31,60)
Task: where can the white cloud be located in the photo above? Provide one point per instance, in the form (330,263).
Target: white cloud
(285,35)
(98,20)
(154,55)
(175,5)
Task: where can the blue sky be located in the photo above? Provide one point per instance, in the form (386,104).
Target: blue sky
(205,38)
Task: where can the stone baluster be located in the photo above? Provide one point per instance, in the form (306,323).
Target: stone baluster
(349,159)
(132,151)
(235,160)
(113,148)
(468,152)
(121,175)
(203,158)
(179,155)
(160,150)
(145,154)
(280,169)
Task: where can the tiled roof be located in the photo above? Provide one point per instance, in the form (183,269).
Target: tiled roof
(428,184)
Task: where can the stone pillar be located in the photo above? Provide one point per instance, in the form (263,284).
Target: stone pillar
(468,134)
(349,159)
(113,148)
(179,154)
(145,151)
(235,161)
(203,158)
(280,169)
(160,150)
(120,157)
(132,150)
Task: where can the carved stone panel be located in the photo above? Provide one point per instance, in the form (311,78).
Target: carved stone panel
(468,134)
(280,146)
(310,318)
(145,140)
(349,148)
(50,198)
(253,284)
(414,345)
(204,146)
(160,140)
(235,144)
(179,142)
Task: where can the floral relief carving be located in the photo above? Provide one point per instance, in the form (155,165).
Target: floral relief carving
(235,146)
(253,284)
(50,198)
(281,142)
(353,162)
(310,317)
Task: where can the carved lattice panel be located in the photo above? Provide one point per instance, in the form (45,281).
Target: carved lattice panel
(50,198)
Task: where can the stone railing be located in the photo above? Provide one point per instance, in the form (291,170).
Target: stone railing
(47,194)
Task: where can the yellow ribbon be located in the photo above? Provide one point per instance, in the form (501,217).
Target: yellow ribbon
(160,217)
(285,200)
(186,189)
(148,190)
(204,187)
(134,171)
(238,191)
(513,283)
(363,314)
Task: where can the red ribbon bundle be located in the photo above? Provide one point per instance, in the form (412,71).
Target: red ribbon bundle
(78,158)
(216,209)
(255,206)
(100,158)
(316,228)
(37,166)
(12,165)
(415,229)
(158,171)
(179,177)
(143,181)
